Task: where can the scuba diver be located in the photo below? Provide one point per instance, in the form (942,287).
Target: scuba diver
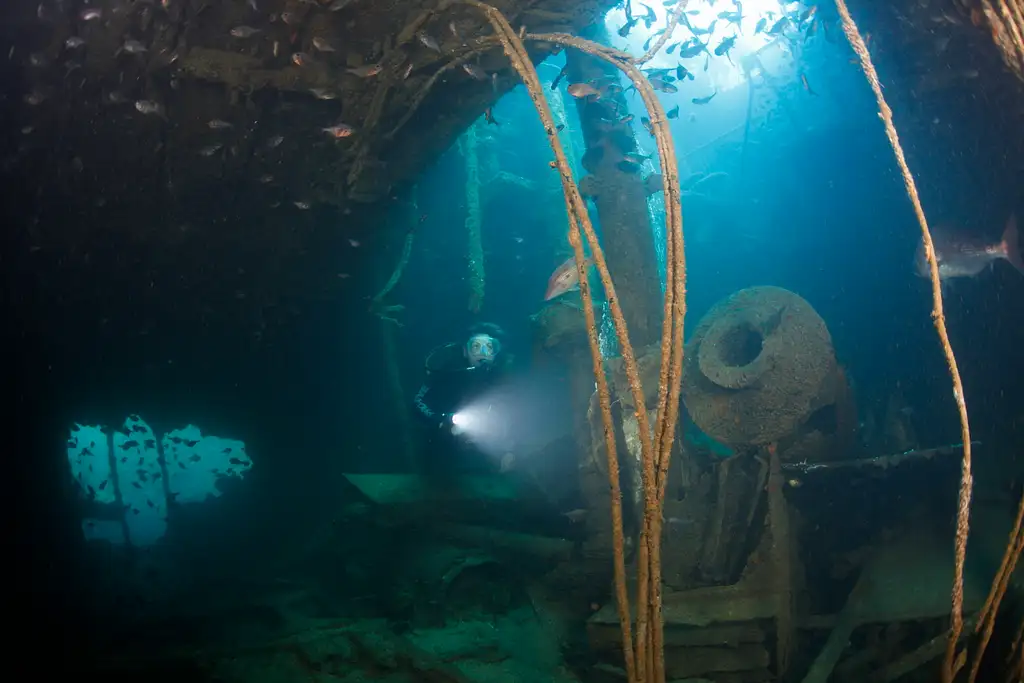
(452,403)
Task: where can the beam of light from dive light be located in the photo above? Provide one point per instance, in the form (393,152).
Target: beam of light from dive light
(462,422)
(482,422)
(528,411)
(471,421)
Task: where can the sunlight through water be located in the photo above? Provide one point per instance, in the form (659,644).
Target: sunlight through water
(713,22)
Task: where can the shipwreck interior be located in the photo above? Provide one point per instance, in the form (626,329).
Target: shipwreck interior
(261,216)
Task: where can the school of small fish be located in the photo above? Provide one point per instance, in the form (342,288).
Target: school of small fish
(286,39)
(147,42)
(793,21)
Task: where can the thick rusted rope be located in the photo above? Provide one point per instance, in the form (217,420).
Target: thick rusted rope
(673,21)
(989,612)
(646,662)
(578,219)
(966,479)
(475,50)
(656,468)
(1015,661)
(1006,21)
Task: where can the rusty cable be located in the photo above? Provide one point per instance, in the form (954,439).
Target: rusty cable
(673,21)
(939,318)
(647,661)
(989,612)
(1006,23)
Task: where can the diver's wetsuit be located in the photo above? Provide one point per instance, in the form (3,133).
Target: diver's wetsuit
(452,384)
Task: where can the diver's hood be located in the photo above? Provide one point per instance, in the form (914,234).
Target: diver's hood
(449,358)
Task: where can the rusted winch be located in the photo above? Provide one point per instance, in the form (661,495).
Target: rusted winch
(760,368)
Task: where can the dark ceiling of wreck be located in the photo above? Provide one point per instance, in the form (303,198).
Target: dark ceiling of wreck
(137,230)
(134,224)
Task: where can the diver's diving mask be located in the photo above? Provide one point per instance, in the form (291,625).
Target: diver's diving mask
(481,349)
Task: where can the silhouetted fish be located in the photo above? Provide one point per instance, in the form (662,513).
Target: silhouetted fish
(959,256)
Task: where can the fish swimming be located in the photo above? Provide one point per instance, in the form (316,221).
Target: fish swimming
(366,70)
(339,131)
(724,47)
(149,107)
(559,77)
(963,257)
(428,41)
(475,71)
(663,85)
(322,45)
(583,90)
(628,26)
(564,279)
(244,31)
(691,48)
(650,17)
(778,27)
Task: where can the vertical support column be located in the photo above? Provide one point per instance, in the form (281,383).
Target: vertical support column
(115,482)
(620,195)
(388,330)
(475,256)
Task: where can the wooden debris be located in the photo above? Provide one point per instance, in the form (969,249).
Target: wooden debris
(696,661)
(883,461)
(917,658)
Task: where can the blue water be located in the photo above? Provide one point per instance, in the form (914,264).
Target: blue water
(311,470)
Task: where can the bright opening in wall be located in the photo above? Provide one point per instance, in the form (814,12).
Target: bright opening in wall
(127,477)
